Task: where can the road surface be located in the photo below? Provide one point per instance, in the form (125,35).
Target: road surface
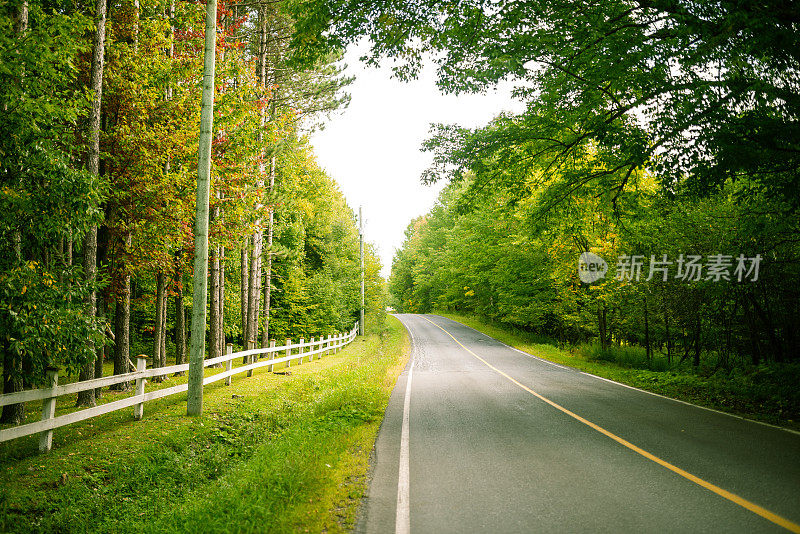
(480,437)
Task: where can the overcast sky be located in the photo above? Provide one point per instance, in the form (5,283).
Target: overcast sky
(372,148)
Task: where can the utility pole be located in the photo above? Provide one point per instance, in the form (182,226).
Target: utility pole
(361,247)
(194,403)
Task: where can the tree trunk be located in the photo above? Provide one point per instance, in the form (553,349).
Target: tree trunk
(245,298)
(122,321)
(601,326)
(102,350)
(213,349)
(163,339)
(158,356)
(646,332)
(696,359)
(253,291)
(180,323)
(667,334)
(221,312)
(87,398)
(12,383)
(268,280)
(102,305)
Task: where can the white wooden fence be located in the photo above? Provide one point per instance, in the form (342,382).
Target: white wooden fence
(290,352)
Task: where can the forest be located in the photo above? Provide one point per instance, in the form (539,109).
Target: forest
(98,169)
(661,136)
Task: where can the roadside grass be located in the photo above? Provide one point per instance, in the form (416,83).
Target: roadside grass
(276,452)
(768,393)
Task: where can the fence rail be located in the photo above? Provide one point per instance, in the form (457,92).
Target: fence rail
(252,357)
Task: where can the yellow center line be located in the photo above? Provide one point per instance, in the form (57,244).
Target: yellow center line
(756,509)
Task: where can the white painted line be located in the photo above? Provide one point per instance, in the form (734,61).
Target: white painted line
(402,523)
(510,347)
(691,404)
(632,387)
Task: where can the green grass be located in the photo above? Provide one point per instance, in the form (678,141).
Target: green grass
(624,356)
(767,393)
(272,453)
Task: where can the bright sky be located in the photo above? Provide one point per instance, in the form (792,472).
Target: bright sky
(372,148)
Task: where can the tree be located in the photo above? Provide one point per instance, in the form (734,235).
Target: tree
(701,94)
(46,201)
(87,398)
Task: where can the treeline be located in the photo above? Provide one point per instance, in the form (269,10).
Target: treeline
(518,265)
(98,165)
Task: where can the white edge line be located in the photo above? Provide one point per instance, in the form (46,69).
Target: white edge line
(791,431)
(692,404)
(510,347)
(402,523)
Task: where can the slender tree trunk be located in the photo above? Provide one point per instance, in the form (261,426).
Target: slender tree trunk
(122,319)
(253,291)
(245,298)
(214,307)
(221,312)
(667,333)
(102,350)
(12,383)
(87,398)
(102,305)
(194,403)
(646,331)
(180,323)
(697,325)
(163,337)
(268,280)
(601,326)
(158,356)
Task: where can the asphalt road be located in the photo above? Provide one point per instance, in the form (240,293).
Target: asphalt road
(499,441)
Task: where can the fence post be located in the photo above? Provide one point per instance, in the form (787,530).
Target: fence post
(250,358)
(48,410)
(229,363)
(313,343)
(288,352)
(301,350)
(271,354)
(141,365)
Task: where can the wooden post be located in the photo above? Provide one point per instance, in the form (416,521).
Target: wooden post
(141,365)
(301,350)
(271,354)
(48,410)
(229,363)
(288,352)
(250,346)
(313,346)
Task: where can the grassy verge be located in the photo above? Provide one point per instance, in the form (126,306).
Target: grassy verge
(273,453)
(766,393)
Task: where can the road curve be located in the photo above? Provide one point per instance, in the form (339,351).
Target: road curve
(480,437)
